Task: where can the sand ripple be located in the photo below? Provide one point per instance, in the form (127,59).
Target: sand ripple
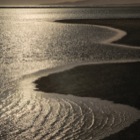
(30,114)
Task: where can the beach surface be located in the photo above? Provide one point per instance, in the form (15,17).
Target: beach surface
(114,82)
(117,82)
(76,80)
(131,26)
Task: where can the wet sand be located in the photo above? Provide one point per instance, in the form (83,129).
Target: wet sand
(115,82)
(131,26)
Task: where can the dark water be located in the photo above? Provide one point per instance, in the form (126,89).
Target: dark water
(114,82)
(33,46)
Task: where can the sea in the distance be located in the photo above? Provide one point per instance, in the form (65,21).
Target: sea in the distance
(67,81)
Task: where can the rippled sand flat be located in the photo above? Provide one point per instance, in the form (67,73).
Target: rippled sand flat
(67,81)
(38,115)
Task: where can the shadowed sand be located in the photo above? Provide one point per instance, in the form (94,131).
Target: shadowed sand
(131,26)
(115,82)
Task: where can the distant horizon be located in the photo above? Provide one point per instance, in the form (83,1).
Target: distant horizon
(65,6)
(65,3)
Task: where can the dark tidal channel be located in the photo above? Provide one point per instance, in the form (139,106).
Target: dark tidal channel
(131,26)
(115,82)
